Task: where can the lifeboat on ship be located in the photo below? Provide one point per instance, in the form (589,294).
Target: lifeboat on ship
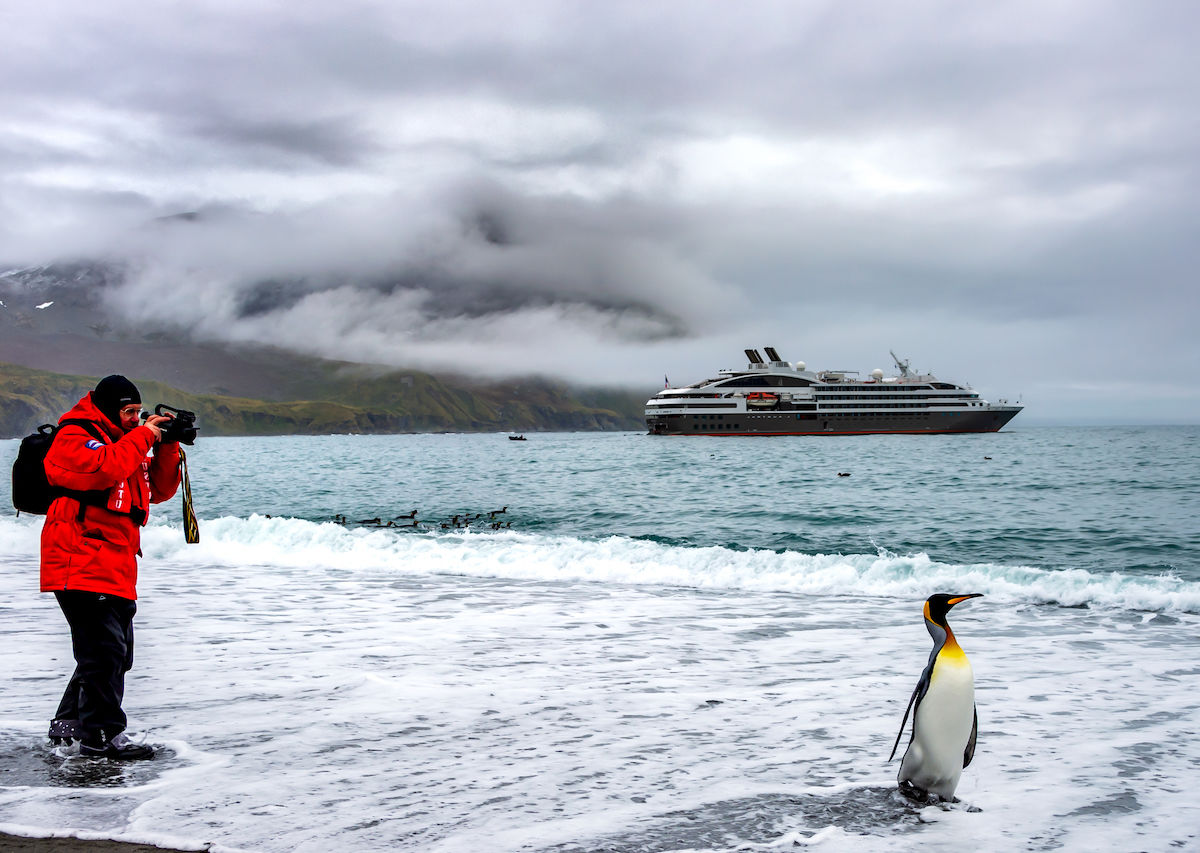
(762,400)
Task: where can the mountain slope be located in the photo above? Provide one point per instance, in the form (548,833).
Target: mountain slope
(55,319)
(391,402)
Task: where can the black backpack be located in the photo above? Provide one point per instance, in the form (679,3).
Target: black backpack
(31,491)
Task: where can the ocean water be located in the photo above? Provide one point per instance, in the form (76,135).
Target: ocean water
(669,644)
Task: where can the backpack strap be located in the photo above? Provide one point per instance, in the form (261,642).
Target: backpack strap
(90,427)
(95,497)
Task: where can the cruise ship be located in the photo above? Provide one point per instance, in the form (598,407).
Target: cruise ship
(773,397)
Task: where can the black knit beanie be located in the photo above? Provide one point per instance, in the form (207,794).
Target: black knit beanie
(114,393)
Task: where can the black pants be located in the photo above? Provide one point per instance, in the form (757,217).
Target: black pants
(102,641)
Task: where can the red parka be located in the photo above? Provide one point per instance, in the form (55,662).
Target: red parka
(98,550)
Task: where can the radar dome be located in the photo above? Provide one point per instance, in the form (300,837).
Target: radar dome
(877,373)
(800,365)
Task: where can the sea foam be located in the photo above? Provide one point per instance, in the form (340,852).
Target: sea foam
(259,541)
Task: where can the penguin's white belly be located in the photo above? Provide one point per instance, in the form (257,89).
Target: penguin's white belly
(941,729)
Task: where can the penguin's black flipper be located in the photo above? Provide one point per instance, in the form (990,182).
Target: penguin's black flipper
(969,752)
(914,702)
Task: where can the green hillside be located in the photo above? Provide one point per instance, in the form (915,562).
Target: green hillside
(344,399)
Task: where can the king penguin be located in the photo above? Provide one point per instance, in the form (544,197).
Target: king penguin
(943,711)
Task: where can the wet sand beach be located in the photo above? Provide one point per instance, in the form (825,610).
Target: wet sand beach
(21,844)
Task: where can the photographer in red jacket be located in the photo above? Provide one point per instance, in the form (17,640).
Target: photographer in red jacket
(90,544)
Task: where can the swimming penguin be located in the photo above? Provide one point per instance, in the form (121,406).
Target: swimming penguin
(943,709)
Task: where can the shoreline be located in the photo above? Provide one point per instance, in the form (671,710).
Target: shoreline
(70,844)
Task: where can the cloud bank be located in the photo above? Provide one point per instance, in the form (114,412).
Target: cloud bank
(611,192)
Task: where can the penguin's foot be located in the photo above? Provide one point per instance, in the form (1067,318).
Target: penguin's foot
(918,795)
(925,798)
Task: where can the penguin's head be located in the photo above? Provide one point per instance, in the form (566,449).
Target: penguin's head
(937,606)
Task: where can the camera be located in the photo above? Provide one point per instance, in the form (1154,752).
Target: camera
(181,427)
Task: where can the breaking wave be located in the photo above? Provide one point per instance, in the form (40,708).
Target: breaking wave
(260,541)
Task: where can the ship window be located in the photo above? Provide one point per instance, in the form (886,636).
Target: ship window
(765,382)
(746,382)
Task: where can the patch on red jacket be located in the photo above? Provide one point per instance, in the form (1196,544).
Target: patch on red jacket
(94,445)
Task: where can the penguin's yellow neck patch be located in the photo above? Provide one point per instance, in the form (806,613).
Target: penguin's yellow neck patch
(951,650)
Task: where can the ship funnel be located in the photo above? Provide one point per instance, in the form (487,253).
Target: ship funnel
(772,354)
(754,356)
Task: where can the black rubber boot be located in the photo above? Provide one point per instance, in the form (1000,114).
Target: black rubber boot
(119,748)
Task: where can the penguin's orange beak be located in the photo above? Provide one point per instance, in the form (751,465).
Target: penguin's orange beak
(955,601)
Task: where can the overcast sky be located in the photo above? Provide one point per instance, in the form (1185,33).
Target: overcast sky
(614,192)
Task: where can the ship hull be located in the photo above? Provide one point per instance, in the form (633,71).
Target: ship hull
(830,423)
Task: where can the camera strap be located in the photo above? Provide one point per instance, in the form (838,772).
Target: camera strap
(191,528)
